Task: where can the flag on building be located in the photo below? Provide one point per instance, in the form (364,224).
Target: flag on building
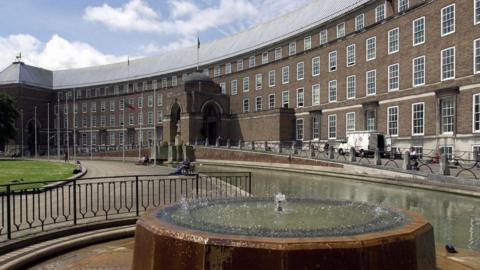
(129,106)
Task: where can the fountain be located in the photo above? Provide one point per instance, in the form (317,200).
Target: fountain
(258,233)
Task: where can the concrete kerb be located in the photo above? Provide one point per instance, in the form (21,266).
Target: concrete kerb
(74,177)
(408,180)
(57,242)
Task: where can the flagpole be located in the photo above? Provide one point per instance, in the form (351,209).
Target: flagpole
(74,127)
(198,52)
(123,129)
(140,139)
(67,130)
(58,126)
(91,133)
(21,120)
(48,130)
(155,122)
(36,146)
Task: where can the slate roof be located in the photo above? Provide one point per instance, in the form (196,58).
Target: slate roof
(291,24)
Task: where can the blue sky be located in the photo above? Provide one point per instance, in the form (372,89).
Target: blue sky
(65,34)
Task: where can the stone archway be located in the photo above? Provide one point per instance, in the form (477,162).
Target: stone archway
(175,122)
(211,112)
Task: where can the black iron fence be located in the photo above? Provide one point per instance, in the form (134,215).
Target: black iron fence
(26,211)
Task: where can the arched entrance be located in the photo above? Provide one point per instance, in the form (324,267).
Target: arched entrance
(175,121)
(211,112)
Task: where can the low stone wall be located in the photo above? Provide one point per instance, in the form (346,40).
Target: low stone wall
(239,155)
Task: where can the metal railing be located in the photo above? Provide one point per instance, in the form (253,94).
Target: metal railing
(462,164)
(26,211)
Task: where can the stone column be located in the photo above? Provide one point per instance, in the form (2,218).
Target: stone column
(377,160)
(240,144)
(217,142)
(196,141)
(444,169)
(353,154)
(406,161)
(228,143)
(331,153)
(172,153)
(206,142)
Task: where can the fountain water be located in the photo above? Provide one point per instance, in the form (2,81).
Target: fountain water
(249,233)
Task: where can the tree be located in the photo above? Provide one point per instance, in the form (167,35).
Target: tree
(8,115)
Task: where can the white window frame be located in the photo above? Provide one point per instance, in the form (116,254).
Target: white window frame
(239,64)
(332,65)
(278,53)
(228,68)
(315,66)
(476,56)
(354,87)
(332,118)
(234,87)
(300,71)
(390,41)
(405,8)
(270,104)
(373,71)
(258,81)
(423,119)
(257,107)
(299,135)
(330,91)
(441,65)
(271,78)
(252,61)
(307,43)
(346,122)
(323,36)
(443,123)
(316,127)
(316,94)
(423,31)
(300,97)
(359,22)
(341,31)
(351,54)
(246,108)
(377,13)
(216,71)
(414,84)
(292,48)
(473,113)
(285,100)
(476,12)
(246,84)
(374,38)
(443,34)
(390,78)
(223,88)
(389,114)
(265,58)
(287,69)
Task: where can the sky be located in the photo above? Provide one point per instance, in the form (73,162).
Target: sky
(56,35)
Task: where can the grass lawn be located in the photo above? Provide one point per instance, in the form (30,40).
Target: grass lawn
(33,170)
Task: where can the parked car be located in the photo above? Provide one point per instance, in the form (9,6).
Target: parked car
(365,143)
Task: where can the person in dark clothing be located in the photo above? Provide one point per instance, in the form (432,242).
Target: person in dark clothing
(182,168)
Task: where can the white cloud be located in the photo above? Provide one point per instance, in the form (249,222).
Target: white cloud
(153,48)
(57,53)
(185,18)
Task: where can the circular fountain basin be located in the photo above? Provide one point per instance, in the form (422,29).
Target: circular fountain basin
(250,233)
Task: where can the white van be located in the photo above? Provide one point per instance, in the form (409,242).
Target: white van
(364,142)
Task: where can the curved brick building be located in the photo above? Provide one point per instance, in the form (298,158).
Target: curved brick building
(409,69)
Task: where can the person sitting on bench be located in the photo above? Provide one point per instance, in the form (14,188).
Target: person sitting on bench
(78,167)
(182,168)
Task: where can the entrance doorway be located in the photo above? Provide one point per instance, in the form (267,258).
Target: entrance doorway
(211,122)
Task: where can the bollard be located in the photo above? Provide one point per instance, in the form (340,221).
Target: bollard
(228,143)
(353,154)
(279,149)
(253,145)
(206,142)
(265,146)
(196,141)
(293,148)
(217,142)
(377,160)
(240,144)
(444,169)
(331,152)
(406,161)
